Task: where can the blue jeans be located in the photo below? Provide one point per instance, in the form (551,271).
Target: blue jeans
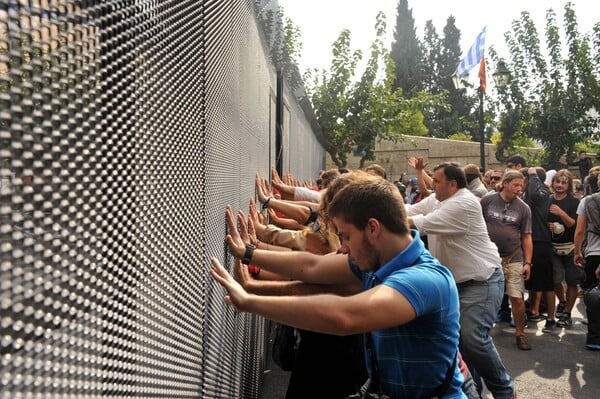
(479,305)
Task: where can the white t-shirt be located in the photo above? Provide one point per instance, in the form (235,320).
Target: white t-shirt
(306,194)
(457,235)
(592,247)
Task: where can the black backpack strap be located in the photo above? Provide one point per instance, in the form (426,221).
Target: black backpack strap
(441,390)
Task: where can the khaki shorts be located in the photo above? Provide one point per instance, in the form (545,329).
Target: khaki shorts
(514,285)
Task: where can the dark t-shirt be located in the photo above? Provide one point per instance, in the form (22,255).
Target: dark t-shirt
(537,196)
(568,204)
(585,165)
(506,222)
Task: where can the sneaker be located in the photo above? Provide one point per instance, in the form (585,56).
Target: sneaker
(522,343)
(549,326)
(536,318)
(564,321)
(592,347)
(560,309)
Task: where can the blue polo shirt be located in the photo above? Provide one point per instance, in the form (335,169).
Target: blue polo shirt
(413,358)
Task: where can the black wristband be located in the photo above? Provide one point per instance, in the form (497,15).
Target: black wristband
(265,204)
(248,254)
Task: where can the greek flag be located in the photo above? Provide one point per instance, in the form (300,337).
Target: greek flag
(473,56)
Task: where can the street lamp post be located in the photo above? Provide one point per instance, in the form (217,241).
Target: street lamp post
(501,77)
(481,132)
(502,74)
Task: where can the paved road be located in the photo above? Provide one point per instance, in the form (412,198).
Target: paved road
(558,367)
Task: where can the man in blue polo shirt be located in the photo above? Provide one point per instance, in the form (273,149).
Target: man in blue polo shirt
(395,291)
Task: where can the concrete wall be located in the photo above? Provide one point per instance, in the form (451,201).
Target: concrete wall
(393,156)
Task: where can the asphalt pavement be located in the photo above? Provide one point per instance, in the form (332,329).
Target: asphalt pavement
(558,367)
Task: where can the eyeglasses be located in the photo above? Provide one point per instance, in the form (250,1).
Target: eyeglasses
(495,177)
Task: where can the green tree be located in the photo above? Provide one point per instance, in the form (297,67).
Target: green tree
(432,56)
(441,55)
(406,52)
(550,96)
(352,114)
(284,40)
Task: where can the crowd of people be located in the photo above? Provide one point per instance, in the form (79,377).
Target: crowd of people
(393,288)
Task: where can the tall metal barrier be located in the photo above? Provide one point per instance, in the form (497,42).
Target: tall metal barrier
(126,127)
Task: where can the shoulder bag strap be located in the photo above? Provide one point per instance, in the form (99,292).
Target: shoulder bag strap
(446,384)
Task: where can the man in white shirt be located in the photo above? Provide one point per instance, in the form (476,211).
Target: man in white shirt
(457,235)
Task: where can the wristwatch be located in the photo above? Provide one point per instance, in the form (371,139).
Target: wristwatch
(248,254)
(528,263)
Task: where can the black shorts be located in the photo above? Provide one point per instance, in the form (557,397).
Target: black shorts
(541,272)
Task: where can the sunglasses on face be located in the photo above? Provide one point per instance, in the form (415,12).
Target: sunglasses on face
(495,178)
(510,165)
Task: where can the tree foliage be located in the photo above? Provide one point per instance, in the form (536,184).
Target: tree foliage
(441,56)
(406,52)
(354,114)
(551,92)
(284,40)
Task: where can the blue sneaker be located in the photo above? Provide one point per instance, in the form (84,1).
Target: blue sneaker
(592,347)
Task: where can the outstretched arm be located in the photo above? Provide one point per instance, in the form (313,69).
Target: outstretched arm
(294,211)
(297,265)
(264,284)
(378,308)
(285,223)
(287,192)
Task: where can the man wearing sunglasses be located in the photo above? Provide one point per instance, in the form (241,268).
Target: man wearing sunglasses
(495,178)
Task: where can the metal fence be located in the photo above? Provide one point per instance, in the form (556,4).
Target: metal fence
(126,127)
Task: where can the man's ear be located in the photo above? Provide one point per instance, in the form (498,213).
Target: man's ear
(453,184)
(373,227)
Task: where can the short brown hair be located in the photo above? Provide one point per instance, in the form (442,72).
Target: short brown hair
(471,172)
(376,169)
(366,196)
(328,176)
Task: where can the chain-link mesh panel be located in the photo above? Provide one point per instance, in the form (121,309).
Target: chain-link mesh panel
(126,127)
